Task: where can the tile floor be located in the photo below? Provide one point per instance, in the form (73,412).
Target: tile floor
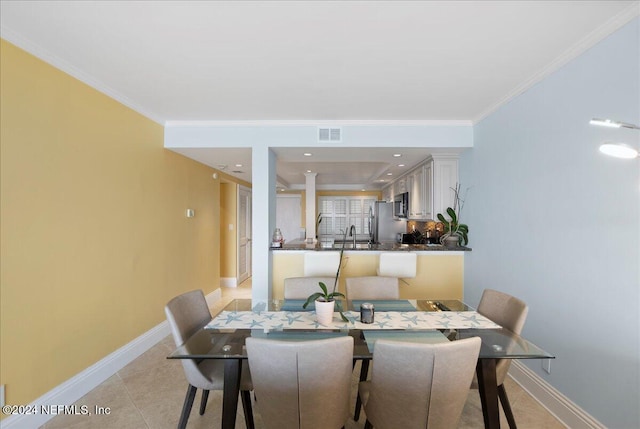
(149,392)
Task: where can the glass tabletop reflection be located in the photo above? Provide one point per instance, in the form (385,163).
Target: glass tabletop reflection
(229,343)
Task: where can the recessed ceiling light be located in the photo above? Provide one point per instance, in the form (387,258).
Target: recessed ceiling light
(389,174)
(238,165)
(400,165)
(397,155)
(308,171)
(307,154)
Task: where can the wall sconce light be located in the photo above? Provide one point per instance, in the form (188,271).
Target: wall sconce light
(619,150)
(190,213)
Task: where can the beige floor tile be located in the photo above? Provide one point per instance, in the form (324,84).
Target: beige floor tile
(155,357)
(111,394)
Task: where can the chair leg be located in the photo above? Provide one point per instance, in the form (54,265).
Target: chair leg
(502,394)
(368,425)
(245,395)
(364,371)
(203,402)
(186,407)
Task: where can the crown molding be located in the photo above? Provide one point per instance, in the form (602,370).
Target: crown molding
(320,123)
(46,56)
(576,50)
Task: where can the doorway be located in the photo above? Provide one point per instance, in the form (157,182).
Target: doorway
(244,234)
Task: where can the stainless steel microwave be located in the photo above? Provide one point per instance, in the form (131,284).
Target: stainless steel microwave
(401,205)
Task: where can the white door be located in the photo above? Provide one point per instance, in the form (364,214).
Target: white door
(244,234)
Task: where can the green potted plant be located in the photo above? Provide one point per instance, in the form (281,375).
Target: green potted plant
(455,233)
(325,301)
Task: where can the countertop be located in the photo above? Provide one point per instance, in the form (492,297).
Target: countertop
(364,247)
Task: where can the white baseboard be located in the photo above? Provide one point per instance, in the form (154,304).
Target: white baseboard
(213,297)
(82,383)
(570,414)
(228,282)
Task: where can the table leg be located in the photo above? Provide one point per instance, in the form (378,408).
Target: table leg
(364,371)
(488,389)
(230,392)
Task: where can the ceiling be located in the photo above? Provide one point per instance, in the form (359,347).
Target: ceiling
(384,61)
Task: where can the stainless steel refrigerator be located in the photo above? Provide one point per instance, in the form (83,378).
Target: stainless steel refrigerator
(383,227)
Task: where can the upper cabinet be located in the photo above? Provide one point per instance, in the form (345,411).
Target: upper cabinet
(420,192)
(400,186)
(430,187)
(387,193)
(445,179)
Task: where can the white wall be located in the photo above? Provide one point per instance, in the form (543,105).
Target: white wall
(557,224)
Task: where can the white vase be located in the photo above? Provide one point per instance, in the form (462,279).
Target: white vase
(324,312)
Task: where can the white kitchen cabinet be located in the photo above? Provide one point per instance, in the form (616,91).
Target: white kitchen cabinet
(430,187)
(400,186)
(445,179)
(387,193)
(428,191)
(418,198)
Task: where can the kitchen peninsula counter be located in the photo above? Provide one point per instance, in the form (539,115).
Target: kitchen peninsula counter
(439,271)
(363,247)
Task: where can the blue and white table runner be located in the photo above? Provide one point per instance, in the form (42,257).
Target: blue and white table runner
(279,320)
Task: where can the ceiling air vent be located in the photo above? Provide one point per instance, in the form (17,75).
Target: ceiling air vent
(329,134)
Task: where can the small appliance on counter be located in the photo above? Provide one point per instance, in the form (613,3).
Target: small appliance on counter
(406,238)
(415,237)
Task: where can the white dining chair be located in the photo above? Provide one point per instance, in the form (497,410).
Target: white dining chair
(372,287)
(302,384)
(419,386)
(510,313)
(186,314)
(303,287)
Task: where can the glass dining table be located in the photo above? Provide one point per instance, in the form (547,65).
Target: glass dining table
(402,320)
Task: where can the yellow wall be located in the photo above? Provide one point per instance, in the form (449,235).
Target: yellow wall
(94,237)
(438,276)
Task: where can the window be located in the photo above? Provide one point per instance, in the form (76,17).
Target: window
(339,213)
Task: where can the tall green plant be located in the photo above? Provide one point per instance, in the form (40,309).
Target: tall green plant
(324,294)
(452,226)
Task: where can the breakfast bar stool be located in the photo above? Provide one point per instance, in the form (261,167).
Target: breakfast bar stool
(321,263)
(398,264)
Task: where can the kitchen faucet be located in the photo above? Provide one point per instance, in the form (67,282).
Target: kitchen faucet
(352,233)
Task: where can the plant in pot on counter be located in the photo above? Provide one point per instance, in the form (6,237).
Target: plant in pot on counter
(455,233)
(325,301)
